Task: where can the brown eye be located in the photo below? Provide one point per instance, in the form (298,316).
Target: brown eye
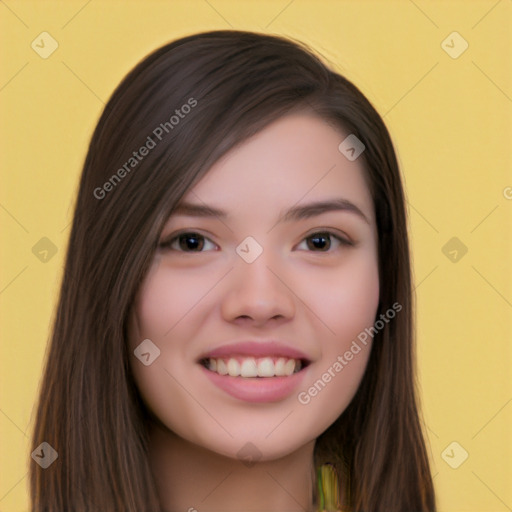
(191,241)
(322,241)
(188,241)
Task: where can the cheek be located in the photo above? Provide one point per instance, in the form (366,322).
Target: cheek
(156,307)
(151,319)
(348,308)
(347,299)
(161,302)
(156,381)
(163,309)
(167,296)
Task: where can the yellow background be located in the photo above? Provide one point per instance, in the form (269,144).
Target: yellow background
(450,119)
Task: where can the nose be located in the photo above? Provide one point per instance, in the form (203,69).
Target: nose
(258,292)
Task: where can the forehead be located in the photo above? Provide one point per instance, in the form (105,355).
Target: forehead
(294,159)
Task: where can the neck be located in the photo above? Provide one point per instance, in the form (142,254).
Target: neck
(191,478)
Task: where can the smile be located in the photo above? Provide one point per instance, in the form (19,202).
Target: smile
(251,367)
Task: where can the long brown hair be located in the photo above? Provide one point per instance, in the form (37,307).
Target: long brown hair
(235,83)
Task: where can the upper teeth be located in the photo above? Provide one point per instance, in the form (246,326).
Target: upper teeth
(254,367)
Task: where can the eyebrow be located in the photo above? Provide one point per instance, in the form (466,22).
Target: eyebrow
(304,211)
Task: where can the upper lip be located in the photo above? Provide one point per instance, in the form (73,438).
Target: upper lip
(256,349)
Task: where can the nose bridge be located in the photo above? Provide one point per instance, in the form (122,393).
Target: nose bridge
(255,287)
(253,264)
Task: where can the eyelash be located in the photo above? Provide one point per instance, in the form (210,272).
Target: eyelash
(166,244)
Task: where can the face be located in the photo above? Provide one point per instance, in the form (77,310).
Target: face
(298,282)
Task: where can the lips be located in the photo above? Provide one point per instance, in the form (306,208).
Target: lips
(255,359)
(255,371)
(256,349)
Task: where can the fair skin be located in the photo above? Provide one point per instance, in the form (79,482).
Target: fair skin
(314,294)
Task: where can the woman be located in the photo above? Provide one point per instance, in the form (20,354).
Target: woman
(235,319)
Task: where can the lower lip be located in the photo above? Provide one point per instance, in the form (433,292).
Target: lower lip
(257,389)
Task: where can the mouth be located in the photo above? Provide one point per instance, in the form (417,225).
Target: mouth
(254,367)
(263,371)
